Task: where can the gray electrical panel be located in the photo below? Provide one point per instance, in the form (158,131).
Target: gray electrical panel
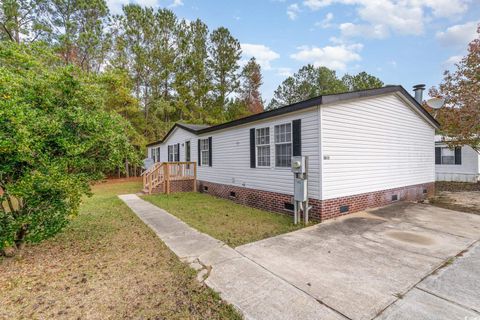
(300,190)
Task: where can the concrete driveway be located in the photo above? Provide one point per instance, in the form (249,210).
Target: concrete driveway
(404,261)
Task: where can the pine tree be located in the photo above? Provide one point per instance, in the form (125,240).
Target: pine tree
(308,82)
(23,20)
(312,81)
(361,81)
(77,31)
(225,54)
(250,88)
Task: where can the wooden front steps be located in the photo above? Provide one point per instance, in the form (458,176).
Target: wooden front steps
(167,177)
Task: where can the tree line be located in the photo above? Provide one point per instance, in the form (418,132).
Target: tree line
(161,69)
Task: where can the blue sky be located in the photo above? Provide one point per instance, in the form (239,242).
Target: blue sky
(400,41)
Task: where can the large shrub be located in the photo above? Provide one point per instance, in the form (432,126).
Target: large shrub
(55,139)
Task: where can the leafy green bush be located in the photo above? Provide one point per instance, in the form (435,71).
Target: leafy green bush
(55,139)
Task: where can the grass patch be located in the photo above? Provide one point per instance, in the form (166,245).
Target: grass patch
(225,220)
(106,265)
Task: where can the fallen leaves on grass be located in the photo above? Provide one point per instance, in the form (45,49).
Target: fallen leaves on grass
(106,265)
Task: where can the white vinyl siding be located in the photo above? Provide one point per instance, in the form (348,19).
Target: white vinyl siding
(231,156)
(262,138)
(374,144)
(178,136)
(353,147)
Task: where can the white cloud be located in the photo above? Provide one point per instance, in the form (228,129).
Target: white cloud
(458,35)
(334,57)
(447,8)
(382,17)
(452,60)
(350,30)
(115,6)
(176,3)
(284,71)
(262,53)
(293,10)
(317,4)
(400,17)
(326,22)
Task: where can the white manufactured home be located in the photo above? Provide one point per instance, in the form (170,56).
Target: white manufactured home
(461,164)
(365,149)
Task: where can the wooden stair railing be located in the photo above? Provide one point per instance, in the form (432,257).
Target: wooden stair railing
(165,172)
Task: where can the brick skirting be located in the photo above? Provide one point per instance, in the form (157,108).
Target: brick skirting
(176,186)
(321,209)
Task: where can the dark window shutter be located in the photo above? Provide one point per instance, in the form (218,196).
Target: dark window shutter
(177,154)
(297,137)
(438,155)
(458,155)
(210,151)
(252,148)
(199,159)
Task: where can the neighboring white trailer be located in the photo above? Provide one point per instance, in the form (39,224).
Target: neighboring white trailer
(460,164)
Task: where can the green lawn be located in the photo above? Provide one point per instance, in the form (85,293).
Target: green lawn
(106,265)
(225,220)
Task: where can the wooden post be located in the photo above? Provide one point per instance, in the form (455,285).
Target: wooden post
(195,177)
(149,183)
(167,178)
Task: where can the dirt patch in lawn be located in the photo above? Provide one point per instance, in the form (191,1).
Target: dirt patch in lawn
(466,201)
(106,265)
(453,186)
(225,220)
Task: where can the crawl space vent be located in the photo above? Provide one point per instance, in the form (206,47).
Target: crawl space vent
(344,209)
(424,190)
(288,206)
(233,194)
(205,188)
(395,197)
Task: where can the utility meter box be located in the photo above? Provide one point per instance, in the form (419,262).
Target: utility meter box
(148,163)
(299,164)
(300,190)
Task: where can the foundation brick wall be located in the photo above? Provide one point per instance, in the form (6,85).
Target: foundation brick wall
(321,209)
(176,186)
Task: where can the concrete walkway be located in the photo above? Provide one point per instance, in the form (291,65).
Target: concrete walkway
(253,290)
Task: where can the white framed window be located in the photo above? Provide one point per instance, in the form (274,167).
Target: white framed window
(448,156)
(176,152)
(204,152)
(283,145)
(173,153)
(262,142)
(153,154)
(170,153)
